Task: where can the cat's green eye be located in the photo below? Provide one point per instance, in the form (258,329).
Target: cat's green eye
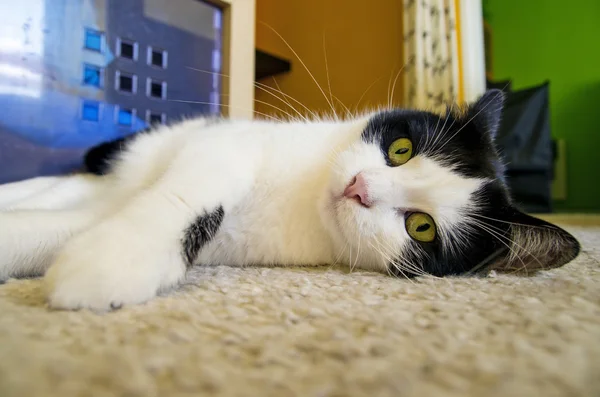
(400,151)
(420,227)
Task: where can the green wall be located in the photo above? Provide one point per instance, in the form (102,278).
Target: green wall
(538,40)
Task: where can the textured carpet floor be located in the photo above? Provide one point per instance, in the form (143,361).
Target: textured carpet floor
(318,332)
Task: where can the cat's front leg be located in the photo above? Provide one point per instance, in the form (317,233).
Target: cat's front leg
(147,246)
(14,192)
(34,229)
(126,259)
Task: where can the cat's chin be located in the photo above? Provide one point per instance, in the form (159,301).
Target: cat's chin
(338,216)
(346,213)
(353,228)
(344,210)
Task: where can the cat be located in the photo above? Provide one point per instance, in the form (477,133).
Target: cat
(407,192)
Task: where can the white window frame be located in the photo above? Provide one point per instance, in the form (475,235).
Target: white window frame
(118,82)
(163,117)
(135,48)
(149,82)
(133,116)
(102,41)
(83,65)
(165,53)
(100,110)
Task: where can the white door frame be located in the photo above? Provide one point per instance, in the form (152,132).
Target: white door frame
(238,57)
(472,49)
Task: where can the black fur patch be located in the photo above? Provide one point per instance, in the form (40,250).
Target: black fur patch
(98,160)
(199,233)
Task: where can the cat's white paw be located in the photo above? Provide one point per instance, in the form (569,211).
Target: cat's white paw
(110,266)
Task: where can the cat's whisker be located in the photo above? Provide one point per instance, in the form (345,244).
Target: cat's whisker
(499,231)
(438,135)
(284,99)
(350,259)
(392,263)
(422,142)
(406,265)
(353,266)
(511,249)
(389,261)
(303,64)
(291,117)
(384,256)
(332,160)
(224,105)
(365,93)
(334,165)
(348,112)
(409,266)
(432,136)
(268,89)
(472,118)
(340,254)
(507,242)
(425,145)
(327,69)
(443,132)
(482,265)
(262,87)
(391,98)
(389,272)
(338,257)
(414,269)
(389,88)
(547,227)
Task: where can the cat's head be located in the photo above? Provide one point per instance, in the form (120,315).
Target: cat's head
(421,193)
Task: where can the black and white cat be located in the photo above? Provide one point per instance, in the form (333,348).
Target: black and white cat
(397,191)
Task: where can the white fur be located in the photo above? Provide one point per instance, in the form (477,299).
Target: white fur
(117,239)
(16,192)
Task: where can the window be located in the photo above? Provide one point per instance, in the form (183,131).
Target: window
(92,75)
(93,40)
(156,89)
(155,118)
(125,82)
(157,57)
(125,117)
(127,49)
(90,111)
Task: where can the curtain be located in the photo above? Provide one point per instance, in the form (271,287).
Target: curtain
(431,54)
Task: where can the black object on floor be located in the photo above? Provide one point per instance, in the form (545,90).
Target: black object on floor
(525,142)
(268,65)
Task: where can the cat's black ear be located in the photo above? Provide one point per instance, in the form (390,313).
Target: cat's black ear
(486,112)
(535,244)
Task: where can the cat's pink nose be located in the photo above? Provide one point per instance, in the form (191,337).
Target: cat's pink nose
(357,190)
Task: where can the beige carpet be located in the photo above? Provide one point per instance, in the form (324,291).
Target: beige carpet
(319,332)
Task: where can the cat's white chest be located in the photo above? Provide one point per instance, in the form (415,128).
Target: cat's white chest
(278,224)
